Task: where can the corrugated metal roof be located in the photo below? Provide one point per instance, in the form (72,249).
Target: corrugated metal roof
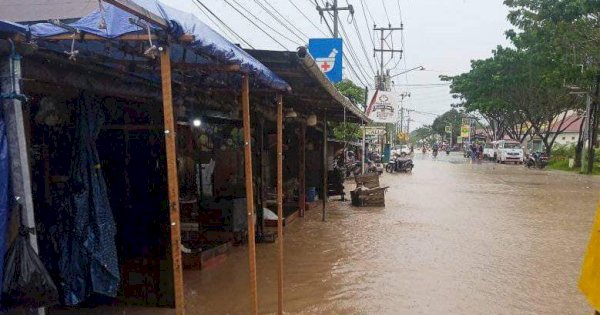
(43,10)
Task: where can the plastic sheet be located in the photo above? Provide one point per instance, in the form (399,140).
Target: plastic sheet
(27,282)
(4,204)
(207,41)
(88,263)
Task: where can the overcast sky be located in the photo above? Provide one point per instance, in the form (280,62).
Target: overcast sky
(441,35)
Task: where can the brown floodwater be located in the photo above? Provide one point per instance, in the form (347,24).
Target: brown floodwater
(454,238)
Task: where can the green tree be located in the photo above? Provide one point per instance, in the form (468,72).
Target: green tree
(450,118)
(349,131)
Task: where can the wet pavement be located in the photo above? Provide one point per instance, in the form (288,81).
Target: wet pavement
(455,237)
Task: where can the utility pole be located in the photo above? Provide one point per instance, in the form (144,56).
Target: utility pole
(383,77)
(335,9)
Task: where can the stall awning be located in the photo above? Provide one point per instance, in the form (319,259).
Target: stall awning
(204,47)
(311,91)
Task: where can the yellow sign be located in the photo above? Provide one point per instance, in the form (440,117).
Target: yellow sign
(589,283)
(402,136)
(464,131)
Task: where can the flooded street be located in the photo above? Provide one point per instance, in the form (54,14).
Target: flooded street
(454,238)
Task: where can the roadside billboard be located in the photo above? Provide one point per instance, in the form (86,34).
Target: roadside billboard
(328,53)
(465,131)
(382,107)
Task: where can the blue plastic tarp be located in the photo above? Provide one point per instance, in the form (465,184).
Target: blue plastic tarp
(207,42)
(88,254)
(10,27)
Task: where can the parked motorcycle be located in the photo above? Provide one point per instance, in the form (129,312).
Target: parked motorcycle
(536,160)
(398,164)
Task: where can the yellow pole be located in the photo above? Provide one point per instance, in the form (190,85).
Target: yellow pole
(249,194)
(173,182)
(280,203)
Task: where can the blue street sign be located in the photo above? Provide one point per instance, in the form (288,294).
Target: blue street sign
(328,55)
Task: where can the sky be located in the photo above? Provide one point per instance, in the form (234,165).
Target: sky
(441,35)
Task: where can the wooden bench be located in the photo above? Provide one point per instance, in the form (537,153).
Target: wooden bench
(368,193)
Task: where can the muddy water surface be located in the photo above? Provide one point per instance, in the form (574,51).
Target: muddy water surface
(454,238)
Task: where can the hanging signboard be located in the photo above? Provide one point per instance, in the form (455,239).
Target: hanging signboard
(328,54)
(382,107)
(374,131)
(465,131)
(459,140)
(448,129)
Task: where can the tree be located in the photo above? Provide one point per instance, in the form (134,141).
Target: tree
(349,131)
(450,118)
(569,31)
(422,135)
(519,92)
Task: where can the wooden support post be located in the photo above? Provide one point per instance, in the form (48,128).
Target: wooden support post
(302,170)
(249,194)
(173,181)
(364,147)
(325,166)
(280,204)
(20,174)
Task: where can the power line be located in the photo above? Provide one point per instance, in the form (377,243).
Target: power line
(306,17)
(257,26)
(348,45)
(386,11)
(362,4)
(197,2)
(280,21)
(362,45)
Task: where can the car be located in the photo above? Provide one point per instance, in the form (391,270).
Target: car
(489,151)
(401,150)
(509,151)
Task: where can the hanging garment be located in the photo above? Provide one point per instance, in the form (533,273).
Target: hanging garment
(88,264)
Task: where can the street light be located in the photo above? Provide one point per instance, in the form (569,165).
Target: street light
(420,68)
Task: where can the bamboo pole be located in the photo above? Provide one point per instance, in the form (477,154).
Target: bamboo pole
(280,204)
(302,169)
(173,182)
(325,168)
(249,194)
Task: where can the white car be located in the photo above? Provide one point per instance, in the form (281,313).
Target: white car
(509,151)
(489,151)
(402,150)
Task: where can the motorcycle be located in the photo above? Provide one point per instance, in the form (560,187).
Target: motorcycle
(397,164)
(537,160)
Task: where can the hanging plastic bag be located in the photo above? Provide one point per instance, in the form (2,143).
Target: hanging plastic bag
(27,283)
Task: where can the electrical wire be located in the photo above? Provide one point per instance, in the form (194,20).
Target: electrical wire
(362,45)
(257,26)
(353,54)
(275,16)
(386,11)
(197,2)
(307,18)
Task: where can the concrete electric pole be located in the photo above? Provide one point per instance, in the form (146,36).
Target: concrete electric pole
(335,9)
(383,81)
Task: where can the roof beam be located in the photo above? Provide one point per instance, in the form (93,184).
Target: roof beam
(139,11)
(127,37)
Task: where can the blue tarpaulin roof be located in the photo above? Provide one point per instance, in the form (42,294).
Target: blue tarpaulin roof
(206,41)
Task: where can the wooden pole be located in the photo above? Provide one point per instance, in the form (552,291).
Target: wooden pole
(280,204)
(173,181)
(325,168)
(249,194)
(302,169)
(14,119)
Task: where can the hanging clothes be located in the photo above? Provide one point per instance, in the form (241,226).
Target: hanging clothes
(4,186)
(88,262)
